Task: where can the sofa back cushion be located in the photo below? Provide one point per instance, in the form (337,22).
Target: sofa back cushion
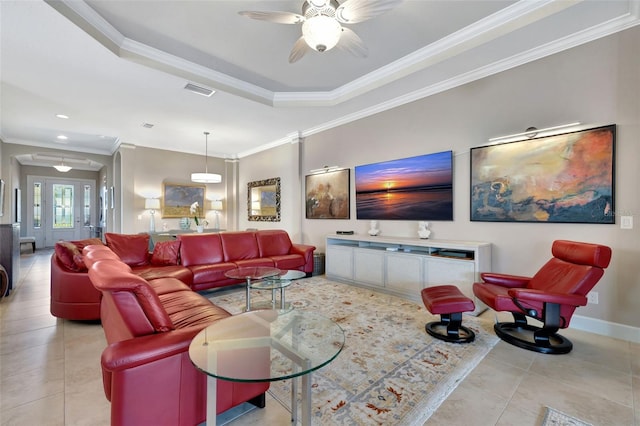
(200,249)
(239,245)
(273,242)
(138,305)
(133,249)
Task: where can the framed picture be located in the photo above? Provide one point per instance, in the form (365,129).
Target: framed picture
(178,198)
(18,205)
(327,195)
(1,197)
(263,200)
(566,178)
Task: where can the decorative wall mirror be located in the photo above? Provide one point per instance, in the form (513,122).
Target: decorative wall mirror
(263,200)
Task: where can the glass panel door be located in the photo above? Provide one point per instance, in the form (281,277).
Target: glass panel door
(59,209)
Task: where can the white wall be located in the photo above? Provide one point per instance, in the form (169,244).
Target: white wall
(598,83)
(145,170)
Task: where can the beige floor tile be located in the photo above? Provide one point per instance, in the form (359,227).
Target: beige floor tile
(513,416)
(601,350)
(20,341)
(20,325)
(86,403)
(40,382)
(536,391)
(601,382)
(499,378)
(507,354)
(47,411)
(21,361)
(464,407)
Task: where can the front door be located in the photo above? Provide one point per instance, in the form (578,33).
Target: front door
(59,209)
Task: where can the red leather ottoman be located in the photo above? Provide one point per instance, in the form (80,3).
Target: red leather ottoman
(448,302)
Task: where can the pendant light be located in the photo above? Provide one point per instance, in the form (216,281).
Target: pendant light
(206,177)
(61,167)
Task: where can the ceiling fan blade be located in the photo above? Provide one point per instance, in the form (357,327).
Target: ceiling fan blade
(299,49)
(277,17)
(352,43)
(354,11)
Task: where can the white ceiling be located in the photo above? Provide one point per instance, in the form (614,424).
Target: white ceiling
(112,66)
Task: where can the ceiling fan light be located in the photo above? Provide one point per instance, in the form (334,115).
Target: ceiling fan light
(321,33)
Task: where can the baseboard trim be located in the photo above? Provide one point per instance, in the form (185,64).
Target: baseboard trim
(606,328)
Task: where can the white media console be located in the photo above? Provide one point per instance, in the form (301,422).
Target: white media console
(404,266)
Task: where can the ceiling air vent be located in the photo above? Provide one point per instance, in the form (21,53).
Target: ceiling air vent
(200,90)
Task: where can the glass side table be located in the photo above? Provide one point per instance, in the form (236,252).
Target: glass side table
(251,273)
(274,283)
(266,346)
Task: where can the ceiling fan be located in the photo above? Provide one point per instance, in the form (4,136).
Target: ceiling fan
(321,24)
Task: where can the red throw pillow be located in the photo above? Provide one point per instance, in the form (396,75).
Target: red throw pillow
(132,249)
(88,242)
(165,253)
(67,252)
(78,259)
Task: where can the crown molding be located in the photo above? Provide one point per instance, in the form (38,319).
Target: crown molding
(500,23)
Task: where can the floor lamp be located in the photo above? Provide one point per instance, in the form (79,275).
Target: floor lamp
(152,204)
(216,206)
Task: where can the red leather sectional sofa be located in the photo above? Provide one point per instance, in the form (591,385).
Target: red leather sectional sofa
(149,323)
(198,260)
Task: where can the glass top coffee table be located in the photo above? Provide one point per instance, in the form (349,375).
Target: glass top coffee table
(276,282)
(251,273)
(265,346)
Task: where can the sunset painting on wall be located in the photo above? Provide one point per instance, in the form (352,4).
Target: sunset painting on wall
(415,188)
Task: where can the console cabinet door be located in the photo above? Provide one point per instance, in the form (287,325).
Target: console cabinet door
(404,273)
(451,271)
(368,266)
(339,262)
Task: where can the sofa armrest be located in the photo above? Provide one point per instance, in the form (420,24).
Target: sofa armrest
(306,251)
(505,280)
(147,349)
(539,296)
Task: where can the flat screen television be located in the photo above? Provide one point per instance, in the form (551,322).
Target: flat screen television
(416,188)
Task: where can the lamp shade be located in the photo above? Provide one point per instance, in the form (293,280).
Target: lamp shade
(216,205)
(151,203)
(206,177)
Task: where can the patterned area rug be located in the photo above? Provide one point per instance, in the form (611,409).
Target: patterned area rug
(554,417)
(390,370)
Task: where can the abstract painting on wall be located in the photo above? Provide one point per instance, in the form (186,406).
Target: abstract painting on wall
(327,195)
(566,178)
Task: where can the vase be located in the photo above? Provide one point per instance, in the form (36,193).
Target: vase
(185,223)
(199,229)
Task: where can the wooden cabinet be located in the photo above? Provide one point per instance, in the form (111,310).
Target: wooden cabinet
(404,266)
(10,252)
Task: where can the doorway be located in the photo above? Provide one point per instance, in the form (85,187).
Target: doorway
(59,209)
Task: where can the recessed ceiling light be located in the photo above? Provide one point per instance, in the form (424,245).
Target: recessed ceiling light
(62,137)
(62,116)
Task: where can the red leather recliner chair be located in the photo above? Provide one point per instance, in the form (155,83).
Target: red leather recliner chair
(550,296)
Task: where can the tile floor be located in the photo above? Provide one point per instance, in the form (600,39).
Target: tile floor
(50,373)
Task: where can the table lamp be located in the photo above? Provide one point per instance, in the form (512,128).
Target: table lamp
(152,204)
(216,206)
